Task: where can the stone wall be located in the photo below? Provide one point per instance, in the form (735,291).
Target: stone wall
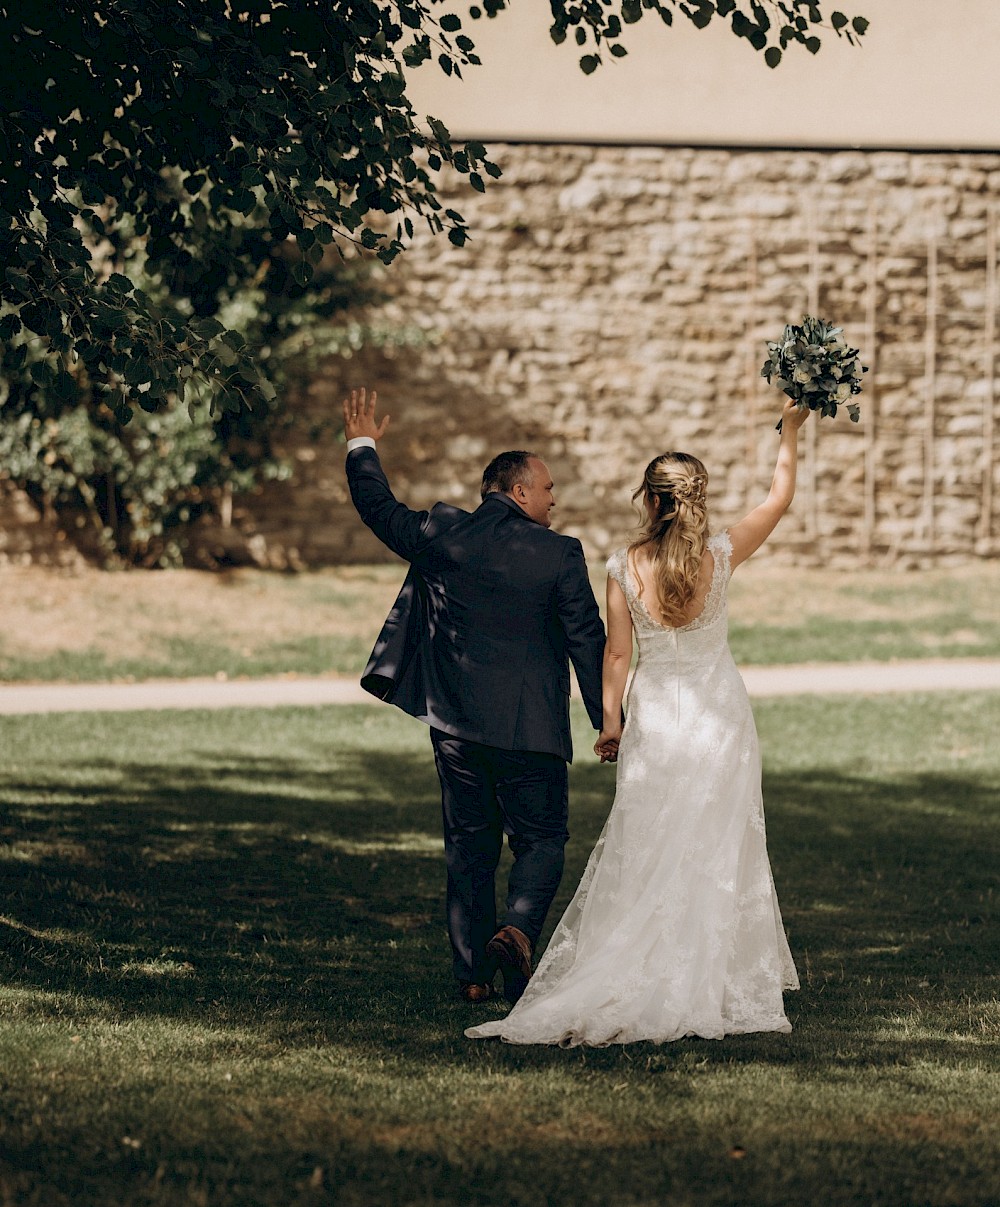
(615,302)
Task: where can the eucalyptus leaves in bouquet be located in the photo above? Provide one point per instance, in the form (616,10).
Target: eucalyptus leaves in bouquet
(815,367)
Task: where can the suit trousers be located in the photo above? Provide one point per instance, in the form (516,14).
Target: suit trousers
(486,793)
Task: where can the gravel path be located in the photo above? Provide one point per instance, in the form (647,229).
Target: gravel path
(835,678)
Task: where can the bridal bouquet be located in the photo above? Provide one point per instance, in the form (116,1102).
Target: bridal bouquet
(815,367)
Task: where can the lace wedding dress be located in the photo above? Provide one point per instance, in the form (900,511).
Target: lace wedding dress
(675,928)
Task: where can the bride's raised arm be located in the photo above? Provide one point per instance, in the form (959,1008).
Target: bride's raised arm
(754,529)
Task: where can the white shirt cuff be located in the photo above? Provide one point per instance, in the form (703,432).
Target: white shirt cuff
(360,442)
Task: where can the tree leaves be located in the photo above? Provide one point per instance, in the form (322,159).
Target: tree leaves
(119,283)
(594,24)
(112,413)
(261,121)
(10,325)
(176,122)
(42,373)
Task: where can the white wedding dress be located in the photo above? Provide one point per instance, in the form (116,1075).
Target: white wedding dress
(675,928)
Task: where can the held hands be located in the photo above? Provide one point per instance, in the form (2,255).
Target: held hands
(606,745)
(359,416)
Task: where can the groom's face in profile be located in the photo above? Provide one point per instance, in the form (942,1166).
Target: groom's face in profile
(535,496)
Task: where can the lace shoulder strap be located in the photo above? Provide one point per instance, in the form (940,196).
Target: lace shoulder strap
(721,547)
(616,566)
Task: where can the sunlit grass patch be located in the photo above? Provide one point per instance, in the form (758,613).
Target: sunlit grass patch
(158,968)
(417,843)
(224,977)
(97,626)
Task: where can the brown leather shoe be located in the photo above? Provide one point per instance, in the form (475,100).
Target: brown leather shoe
(474,994)
(511,948)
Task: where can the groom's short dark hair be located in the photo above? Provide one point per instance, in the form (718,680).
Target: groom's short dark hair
(505,471)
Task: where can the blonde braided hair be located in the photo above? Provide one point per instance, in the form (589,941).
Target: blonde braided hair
(676,485)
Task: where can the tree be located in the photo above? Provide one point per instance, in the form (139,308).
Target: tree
(130,493)
(165,121)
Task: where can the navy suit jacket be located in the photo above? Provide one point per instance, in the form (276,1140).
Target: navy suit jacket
(493,608)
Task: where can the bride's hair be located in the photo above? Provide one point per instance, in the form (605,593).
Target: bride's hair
(675,484)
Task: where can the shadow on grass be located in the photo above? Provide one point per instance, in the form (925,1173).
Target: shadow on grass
(311,896)
(154,887)
(265,895)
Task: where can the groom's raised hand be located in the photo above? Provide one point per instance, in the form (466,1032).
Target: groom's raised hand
(359,416)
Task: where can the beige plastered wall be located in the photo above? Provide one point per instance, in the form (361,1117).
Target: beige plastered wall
(925,76)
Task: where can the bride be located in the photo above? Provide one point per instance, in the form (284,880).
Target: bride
(675,928)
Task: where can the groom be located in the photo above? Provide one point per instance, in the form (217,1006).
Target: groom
(478,645)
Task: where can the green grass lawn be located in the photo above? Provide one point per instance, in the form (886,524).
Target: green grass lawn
(224,977)
(179,623)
